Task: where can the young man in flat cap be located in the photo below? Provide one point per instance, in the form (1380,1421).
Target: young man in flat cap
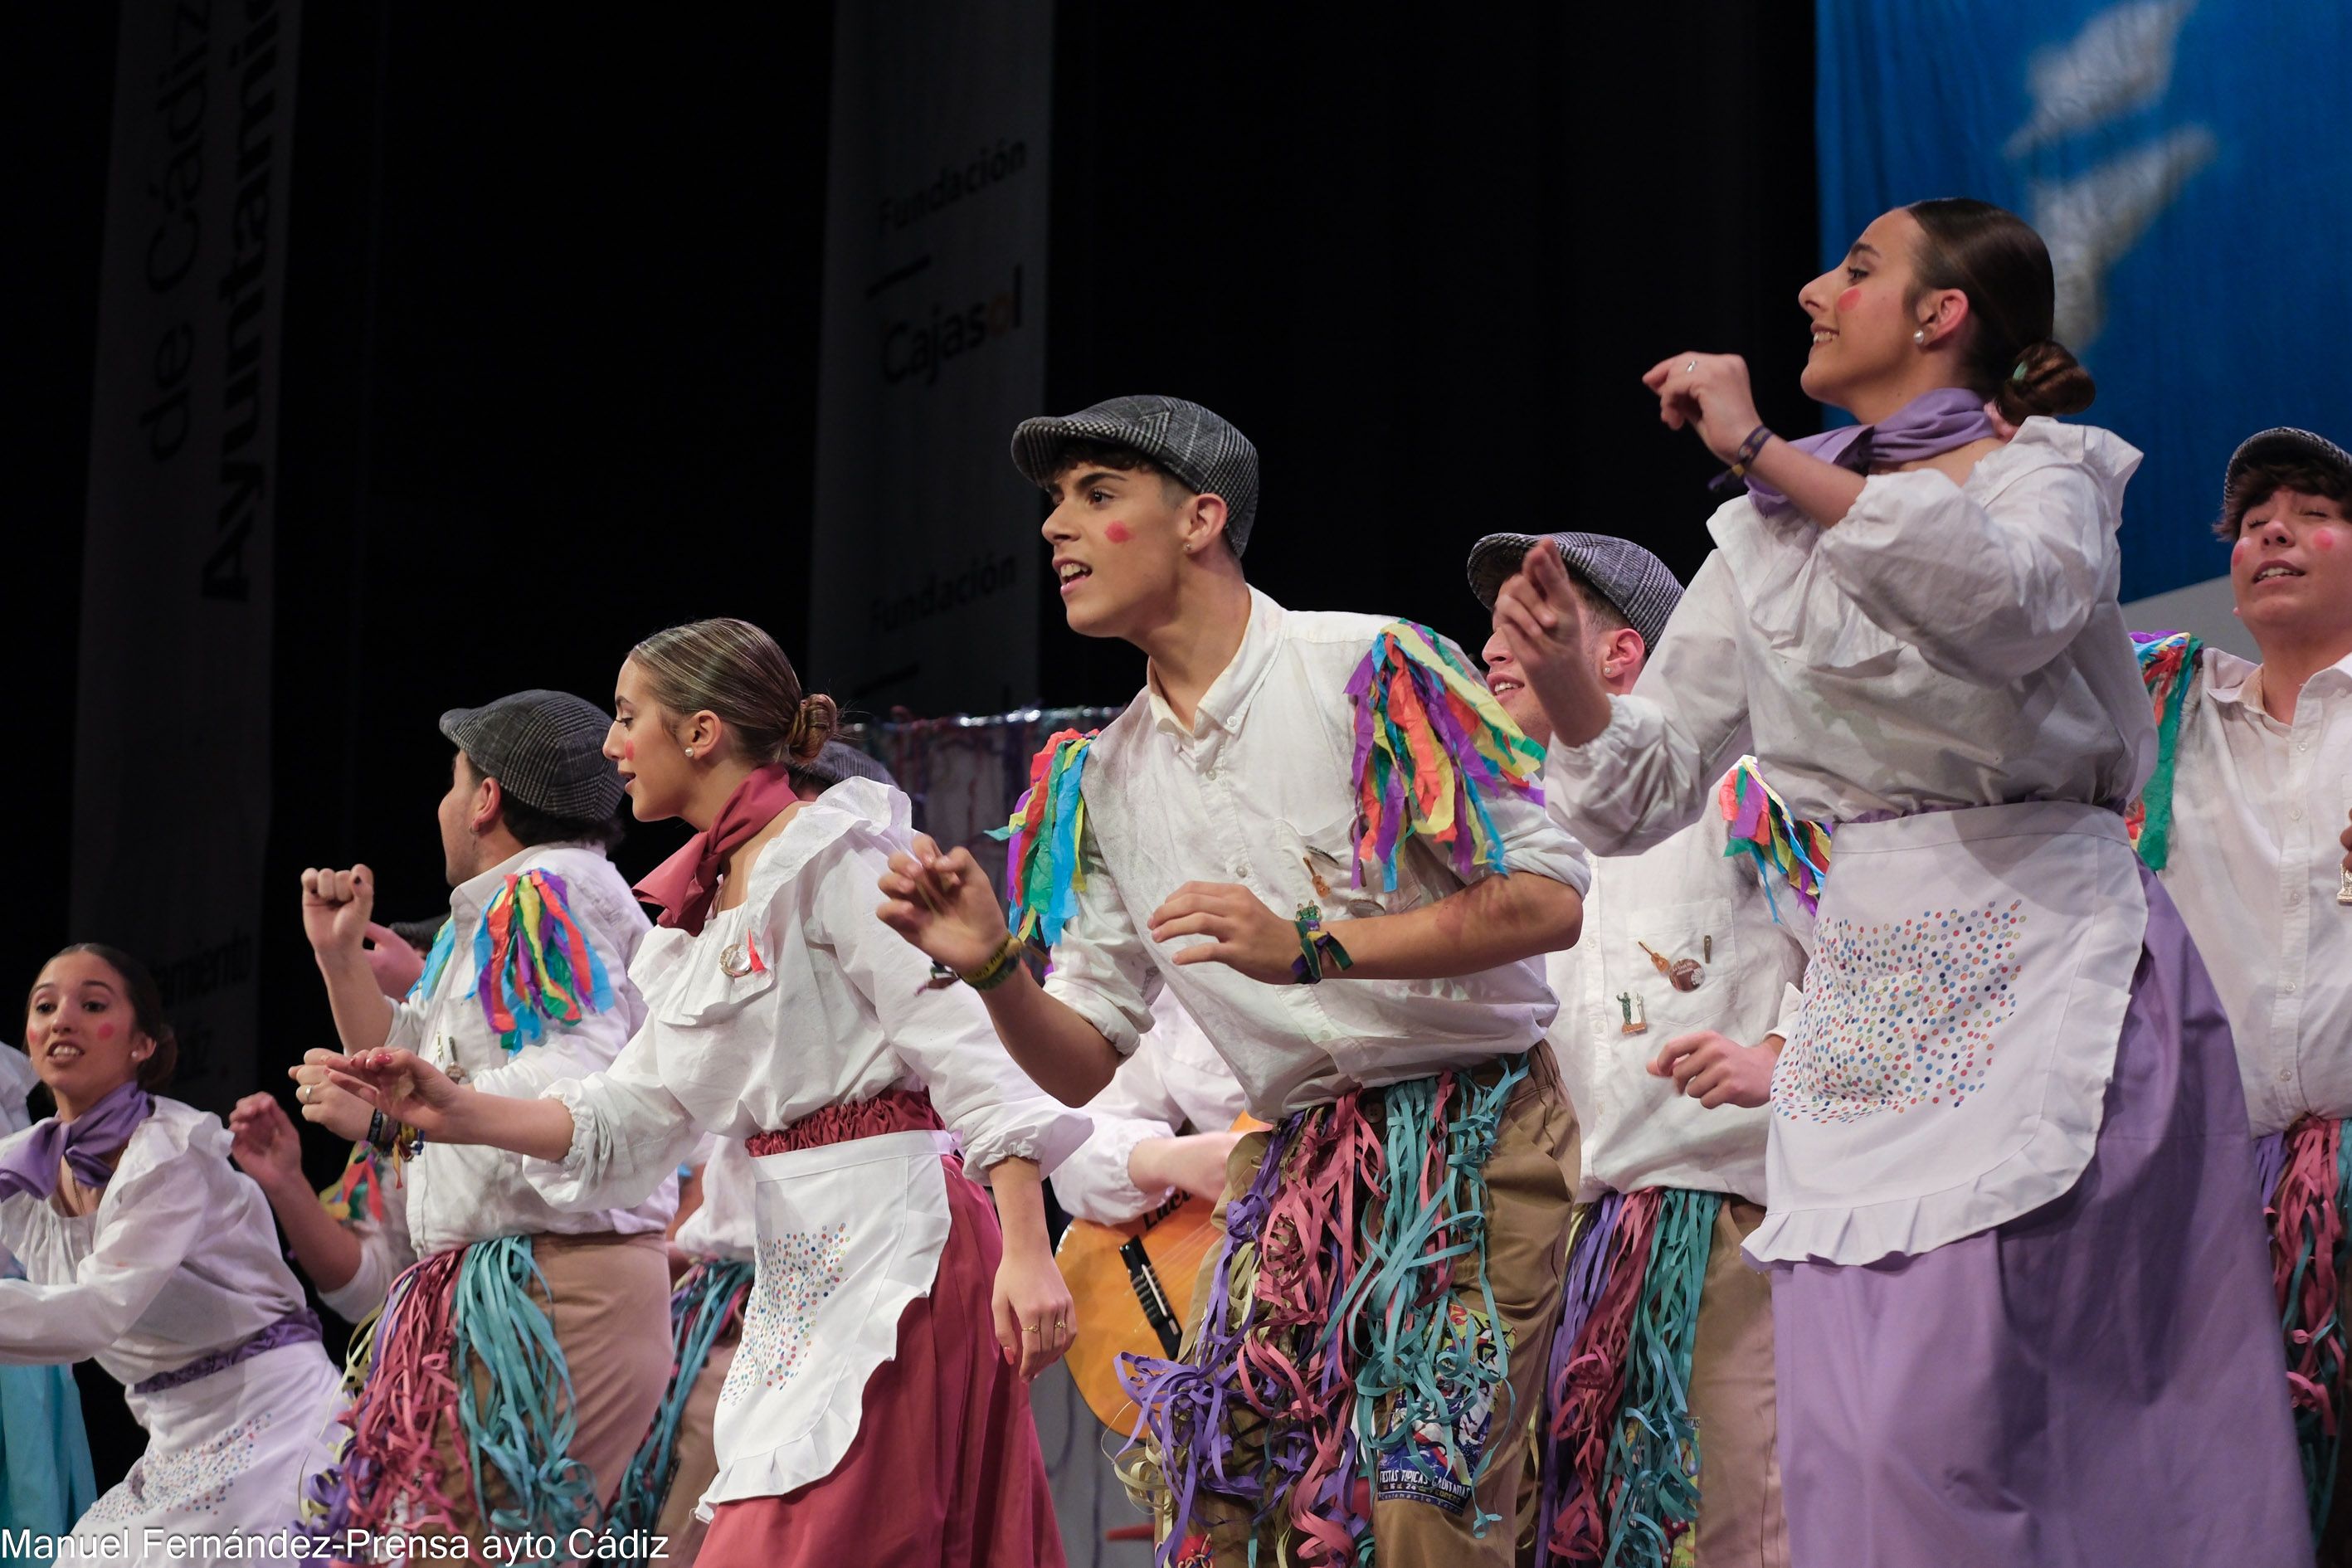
(1319,831)
(1670,1007)
(527,982)
(2245,823)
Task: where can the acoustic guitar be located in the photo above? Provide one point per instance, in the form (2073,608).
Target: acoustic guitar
(1132,1284)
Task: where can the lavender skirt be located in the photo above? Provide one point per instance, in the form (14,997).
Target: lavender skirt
(2098,1381)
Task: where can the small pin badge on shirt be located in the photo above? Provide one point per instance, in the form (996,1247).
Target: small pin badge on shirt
(2344,888)
(1682,973)
(1636,1022)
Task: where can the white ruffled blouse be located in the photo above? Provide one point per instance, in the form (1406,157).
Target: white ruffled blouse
(830,1007)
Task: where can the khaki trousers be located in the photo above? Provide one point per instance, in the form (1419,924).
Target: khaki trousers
(608,1297)
(1528,1201)
(1731,1403)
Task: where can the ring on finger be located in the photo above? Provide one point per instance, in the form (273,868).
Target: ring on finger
(1689,365)
(1033,1327)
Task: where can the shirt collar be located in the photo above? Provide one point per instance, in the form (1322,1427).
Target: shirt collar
(469,898)
(2231,679)
(1228,696)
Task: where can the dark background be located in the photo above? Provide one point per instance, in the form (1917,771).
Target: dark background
(551,333)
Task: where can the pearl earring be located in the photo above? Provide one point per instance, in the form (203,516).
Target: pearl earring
(1920,337)
(689,750)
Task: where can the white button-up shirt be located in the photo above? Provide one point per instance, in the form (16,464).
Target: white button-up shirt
(2254,865)
(1174,1083)
(1260,792)
(453,1195)
(1685,900)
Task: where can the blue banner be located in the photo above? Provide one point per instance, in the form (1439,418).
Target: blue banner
(2189,167)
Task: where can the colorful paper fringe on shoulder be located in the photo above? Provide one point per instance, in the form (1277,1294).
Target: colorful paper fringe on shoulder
(436,960)
(1350,1347)
(707,1303)
(2168,663)
(358,1194)
(1433,748)
(534,966)
(1047,830)
(2305,1209)
(1620,1461)
(1776,838)
(462,1357)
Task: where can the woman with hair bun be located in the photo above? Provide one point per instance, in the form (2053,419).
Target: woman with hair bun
(142,1248)
(867,1416)
(2020,1301)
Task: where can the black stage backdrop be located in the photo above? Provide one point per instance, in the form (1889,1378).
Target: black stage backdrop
(551,327)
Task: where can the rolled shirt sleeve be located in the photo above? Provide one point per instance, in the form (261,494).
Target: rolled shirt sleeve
(1101,969)
(1095,1182)
(385,1252)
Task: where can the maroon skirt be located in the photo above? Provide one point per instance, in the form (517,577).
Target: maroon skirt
(945,1468)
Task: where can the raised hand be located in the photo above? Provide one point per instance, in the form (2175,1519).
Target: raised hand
(1244,934)
(1542,623)
(264,1143)
(401,1084)
(943,904)
(1708,394)
(340,1112)
(335,908)
(1717,1070)
(395,965)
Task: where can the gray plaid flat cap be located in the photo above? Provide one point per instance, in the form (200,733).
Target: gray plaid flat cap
(1199,447)
(840,760)
(1627,575)
(545,748)
(2285,444)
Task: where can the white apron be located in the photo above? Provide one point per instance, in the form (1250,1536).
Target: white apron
(1970,974)
(227,1454)
(849,1235)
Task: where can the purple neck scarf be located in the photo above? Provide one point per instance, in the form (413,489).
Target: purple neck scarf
(1930,423)
(86,1143)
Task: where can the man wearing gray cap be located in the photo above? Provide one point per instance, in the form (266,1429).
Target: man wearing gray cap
(2244,821)
(1348,884)
(1687,962)
(527,984)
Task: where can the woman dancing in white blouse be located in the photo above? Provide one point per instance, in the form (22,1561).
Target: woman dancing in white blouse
(142,1248)
(868,1418)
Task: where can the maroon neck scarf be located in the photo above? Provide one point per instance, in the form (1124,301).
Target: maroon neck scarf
(683,886)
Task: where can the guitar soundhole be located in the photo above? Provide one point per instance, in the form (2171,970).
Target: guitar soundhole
(1145,1280)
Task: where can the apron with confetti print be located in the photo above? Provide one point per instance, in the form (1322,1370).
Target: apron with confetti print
(849,1234)
(1970,973)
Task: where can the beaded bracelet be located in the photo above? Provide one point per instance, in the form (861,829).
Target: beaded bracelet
(407,1144)
(1315,946)
(999,967)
